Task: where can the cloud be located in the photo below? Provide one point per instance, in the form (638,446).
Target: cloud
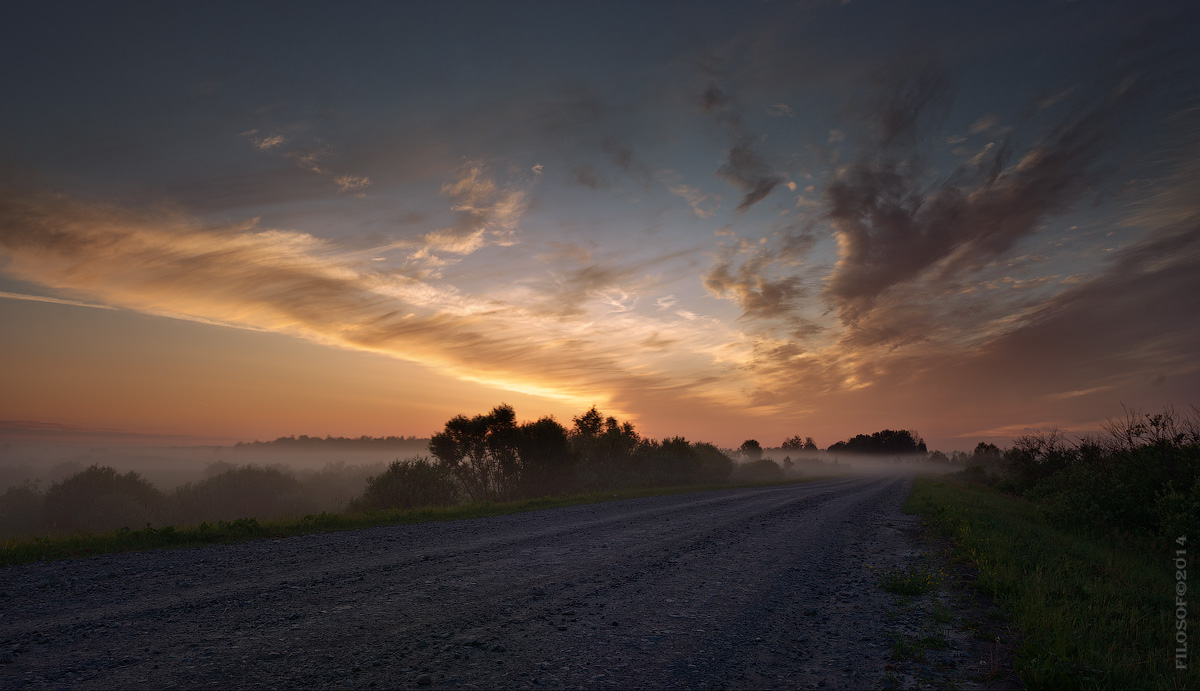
(310,160)
(263,143)
(487,214)
(695,199)
(346,183)
(744,168)
(894,226)
(983,124)
(913,97)
(297,284)
(780,110)
(1053,99)
(621,154)
(759,295)
(56,301)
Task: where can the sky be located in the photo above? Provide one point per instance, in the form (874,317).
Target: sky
(235,221)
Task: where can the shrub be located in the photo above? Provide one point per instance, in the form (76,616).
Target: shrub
(101,499)
(408,484)
(1178,512)
(20,510)
(240,492)
(1143,478)
(762,470)
(715,466)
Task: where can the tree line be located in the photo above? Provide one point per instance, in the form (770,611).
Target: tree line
(492,457)
(363,443)
(486,457)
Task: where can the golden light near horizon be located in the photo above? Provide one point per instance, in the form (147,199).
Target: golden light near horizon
(709,242)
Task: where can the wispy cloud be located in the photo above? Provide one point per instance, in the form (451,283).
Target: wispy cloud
(780,110)
(263,143)
(696,199)
(310,159)
(347,183)
(983,124)
(52,300)
(294,283)
(1054,99)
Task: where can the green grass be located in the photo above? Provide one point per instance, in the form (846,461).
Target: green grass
(910,581)
(1093,613)
(914,647)
(28,550)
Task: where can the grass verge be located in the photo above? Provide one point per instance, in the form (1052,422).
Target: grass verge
(1093,613)
(28,550)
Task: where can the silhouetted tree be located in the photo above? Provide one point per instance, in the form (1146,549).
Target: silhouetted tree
(481,453)
(547,461)
(796,443)
(604,449)
(751,450)
(888,441)
(985,452)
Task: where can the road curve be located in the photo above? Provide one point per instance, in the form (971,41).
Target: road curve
(739,588)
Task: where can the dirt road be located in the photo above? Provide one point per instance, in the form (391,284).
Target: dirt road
(742,588)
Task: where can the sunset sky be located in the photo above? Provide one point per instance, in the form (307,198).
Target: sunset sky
(718,220)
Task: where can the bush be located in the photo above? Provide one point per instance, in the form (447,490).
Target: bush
(1143,478)
(20,510)
(715,466)
(101,499)
(240,492)
(408,484)
(1178,512)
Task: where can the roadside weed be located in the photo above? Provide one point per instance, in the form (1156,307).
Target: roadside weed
(911,581)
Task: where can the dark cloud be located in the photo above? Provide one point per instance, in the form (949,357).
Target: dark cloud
(744,168)
(621,154)
(914,96)
(759,296)
(895,224)
(1138,320)
(585,174)
(713,99)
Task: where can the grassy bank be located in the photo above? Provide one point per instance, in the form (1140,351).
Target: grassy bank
(1094,613)
(35,549)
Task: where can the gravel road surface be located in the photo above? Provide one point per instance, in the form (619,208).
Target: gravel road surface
(738,588)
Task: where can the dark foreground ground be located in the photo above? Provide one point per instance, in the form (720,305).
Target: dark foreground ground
(743,588)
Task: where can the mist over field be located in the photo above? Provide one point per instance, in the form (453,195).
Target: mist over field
(58,490)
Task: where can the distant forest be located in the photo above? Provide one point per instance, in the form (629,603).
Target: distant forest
(363,443)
